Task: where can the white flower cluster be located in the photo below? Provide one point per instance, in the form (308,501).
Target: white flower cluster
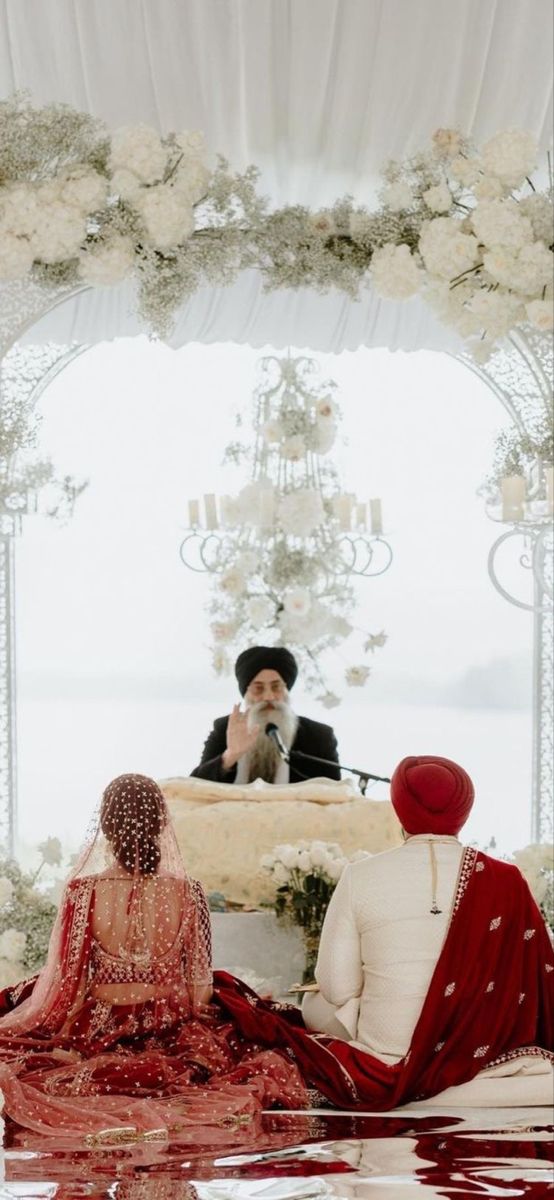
(301,511)
(71,217)
(483,253)
(287,863)
(536,863)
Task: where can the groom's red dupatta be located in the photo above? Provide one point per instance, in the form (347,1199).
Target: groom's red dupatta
(490,996)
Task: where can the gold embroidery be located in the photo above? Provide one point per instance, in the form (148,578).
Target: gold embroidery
(480,1052)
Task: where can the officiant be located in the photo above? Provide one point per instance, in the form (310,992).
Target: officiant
(238,750)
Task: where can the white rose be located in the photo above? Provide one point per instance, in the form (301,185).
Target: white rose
(222,631)
(297,601)
(16,256)
(12,945)
(167,215)
(438,198)
(267,862)
(541,314)
(232,582)
(397,196)
(335,869)
(319,854)
(293,448)
(394,272)
(84,188)
(6,890)
(323,436)
(326,408)
(280,874)
(289,857)
(272,432)
(138,148)
(305,862)
(107,263)
(500,223)
(261,611)
(510,155)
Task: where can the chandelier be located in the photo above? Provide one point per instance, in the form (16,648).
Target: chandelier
(284,550)
(525,503)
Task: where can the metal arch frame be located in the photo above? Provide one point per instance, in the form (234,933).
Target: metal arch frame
(29,378)
(519,361)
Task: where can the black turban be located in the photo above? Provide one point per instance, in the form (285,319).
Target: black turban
(262,658)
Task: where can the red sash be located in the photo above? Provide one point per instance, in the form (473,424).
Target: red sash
(491,995)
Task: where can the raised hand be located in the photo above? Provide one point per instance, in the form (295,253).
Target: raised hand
(240,737)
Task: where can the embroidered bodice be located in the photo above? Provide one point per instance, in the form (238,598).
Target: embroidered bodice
(108,968)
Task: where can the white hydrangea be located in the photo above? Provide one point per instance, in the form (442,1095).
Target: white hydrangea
(167,214)
(232,582)
(540,211)
(394,272)
(138,148)
(438,198)
(445,249)
(397,196)
(272,432)
(510,155)
(108,262)
(297,602)
(301,512)
(357,676)
(246,506)
(125,184)
(496,312)
(222,631)
(59,232)
(465,170)
(501,223)
(489,188)
(248,562)
(541,314)
(84,188)
(12,945)
(16,256)
(6,890)
(528,270)
(260,610)
(192,179)
(293,448)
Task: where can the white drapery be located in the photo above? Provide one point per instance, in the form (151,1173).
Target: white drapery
(318,93)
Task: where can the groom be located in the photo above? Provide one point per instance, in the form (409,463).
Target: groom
(238,750)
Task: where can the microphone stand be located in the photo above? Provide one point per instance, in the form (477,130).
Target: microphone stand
(363,776)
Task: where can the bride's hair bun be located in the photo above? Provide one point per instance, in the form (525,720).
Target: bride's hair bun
(132,817)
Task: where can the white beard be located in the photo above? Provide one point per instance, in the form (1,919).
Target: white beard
(263,760)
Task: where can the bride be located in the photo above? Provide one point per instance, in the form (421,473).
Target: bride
(116,1038)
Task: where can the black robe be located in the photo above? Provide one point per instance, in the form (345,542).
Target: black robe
(312,737)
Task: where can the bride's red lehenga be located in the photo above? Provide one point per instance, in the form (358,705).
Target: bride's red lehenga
(116,1038)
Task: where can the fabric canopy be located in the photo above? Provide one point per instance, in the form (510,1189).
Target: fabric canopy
(317,93)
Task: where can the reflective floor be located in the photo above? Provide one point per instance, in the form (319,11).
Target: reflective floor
(477,1152)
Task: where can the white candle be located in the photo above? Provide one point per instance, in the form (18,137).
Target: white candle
(376,516)
(344,511)
(194,513)
(267,507)
(211,511)
(513,495)
(225,509)
(361,516)
(549,476)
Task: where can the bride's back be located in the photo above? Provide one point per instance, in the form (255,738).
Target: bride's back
(138,937)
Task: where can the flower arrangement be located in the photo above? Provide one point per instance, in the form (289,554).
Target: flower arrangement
(536,863)
(283,563)
(305,877)
(28,908)
(79,205)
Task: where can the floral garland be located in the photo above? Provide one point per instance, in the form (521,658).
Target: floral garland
(79,205)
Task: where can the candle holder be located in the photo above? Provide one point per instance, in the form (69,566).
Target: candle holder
(524,503)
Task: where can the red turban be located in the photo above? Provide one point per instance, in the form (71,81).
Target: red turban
(431,795)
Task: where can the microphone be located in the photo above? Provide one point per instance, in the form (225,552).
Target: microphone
(272,731)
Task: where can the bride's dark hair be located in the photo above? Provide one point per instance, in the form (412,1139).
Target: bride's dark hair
(132,816)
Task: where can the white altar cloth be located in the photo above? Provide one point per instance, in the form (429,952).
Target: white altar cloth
(223,830)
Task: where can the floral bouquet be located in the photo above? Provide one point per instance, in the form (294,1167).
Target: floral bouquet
(536,863)
(305,876)
(28,909)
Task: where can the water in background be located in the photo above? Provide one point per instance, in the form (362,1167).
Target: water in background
(70,748)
